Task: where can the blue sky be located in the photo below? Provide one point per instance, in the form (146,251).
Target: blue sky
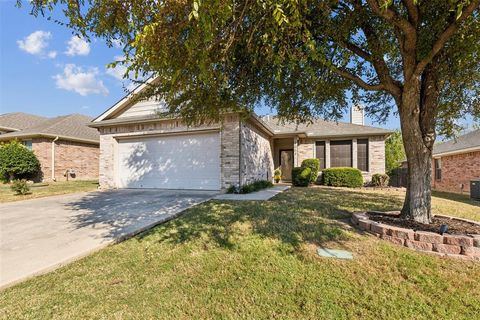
(43,70)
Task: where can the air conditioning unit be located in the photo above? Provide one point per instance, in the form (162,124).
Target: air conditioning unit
(475,189)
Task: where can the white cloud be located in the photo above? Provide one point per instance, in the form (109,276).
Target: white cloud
(80,81)
(77,47)
(52,54)
(36,43)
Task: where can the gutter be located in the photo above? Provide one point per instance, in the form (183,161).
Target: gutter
(6,137)
(454,152)
(53,158)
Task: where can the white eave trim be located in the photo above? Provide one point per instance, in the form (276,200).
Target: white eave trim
(125,101)
(454,152)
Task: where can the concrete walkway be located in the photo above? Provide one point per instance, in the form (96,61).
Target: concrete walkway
(259,195)
(39,235)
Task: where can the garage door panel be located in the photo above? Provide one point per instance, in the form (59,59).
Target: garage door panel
(174,162)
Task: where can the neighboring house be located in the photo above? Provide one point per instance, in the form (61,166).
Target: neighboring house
(456,162)
(16,121)
(61,144)
(139,149)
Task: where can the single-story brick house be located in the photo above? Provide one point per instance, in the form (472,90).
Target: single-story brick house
(456,162)
(65,146)
(140,149)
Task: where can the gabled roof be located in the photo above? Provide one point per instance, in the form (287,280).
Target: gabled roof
(467,142)
(317,128)
(125,101)
(321,128)
(16,121)
(70,127)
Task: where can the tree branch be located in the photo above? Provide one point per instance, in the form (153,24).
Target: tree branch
(357,50)
(406,35)
(439,44)
(358,81)
(413,14)
(391,16)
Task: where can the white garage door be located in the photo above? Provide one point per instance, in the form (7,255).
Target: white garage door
(170,162)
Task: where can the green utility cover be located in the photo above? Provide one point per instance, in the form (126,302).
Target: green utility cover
(333,253)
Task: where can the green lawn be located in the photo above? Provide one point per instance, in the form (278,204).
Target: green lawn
(39,190)
(256,260)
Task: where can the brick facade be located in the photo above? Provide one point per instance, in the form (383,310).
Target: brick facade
(229,140)
(81,157)
(247,151)
(457,170)
(256,156)
(376,153)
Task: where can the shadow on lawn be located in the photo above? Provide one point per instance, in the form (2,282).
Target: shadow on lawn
(463,198)
(314,215)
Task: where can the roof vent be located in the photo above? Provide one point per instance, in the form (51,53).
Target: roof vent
(357,115)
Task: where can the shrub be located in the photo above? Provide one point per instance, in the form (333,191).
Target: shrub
(314,165)
(380,180)
(343,177)
(301,176)
(16,162)
(251,187)
(20,187)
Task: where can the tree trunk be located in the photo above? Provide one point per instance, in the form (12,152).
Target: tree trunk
(418,104)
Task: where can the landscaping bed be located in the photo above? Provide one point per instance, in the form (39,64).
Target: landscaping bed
(455,226)
(461,241)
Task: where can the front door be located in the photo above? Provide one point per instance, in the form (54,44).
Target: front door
(286,164)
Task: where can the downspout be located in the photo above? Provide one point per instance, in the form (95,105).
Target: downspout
(53,158)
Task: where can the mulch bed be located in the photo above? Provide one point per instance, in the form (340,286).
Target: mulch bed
(455,226)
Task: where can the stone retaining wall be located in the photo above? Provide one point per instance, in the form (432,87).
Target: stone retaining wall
(466,247)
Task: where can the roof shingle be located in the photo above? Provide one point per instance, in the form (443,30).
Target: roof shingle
(467,141)
(74,126)
(19,120)
(322,128)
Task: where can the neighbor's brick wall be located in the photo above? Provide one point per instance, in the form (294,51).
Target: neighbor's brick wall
(229,154)
(42,147)
(81,157)
(456,170)
(256,158)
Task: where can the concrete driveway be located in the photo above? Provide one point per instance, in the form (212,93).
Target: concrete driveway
(42,234)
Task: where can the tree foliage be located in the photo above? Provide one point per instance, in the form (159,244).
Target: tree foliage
(300,57)
(17,162)
(394,151)
(303,58)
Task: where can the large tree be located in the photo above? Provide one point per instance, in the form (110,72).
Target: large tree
(304,58)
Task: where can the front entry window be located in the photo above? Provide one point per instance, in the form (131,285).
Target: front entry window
(286,164)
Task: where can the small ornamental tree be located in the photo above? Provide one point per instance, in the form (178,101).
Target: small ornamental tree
(394,151)
(17,162)
(303,58)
